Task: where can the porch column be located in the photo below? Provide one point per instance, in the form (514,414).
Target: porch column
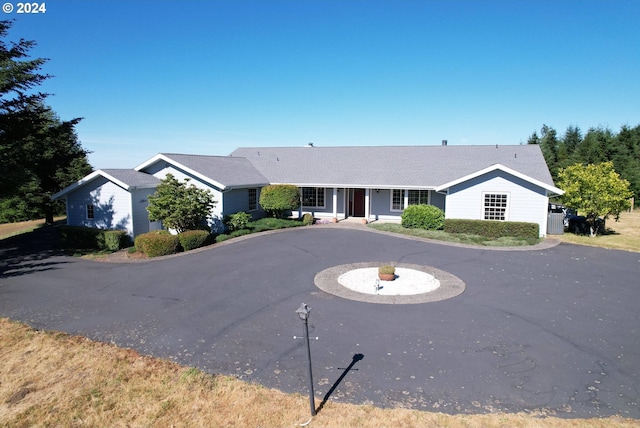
(366,203)
(300,209)
(335,203)
(406,198)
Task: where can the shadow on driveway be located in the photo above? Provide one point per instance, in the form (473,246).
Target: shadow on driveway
(35,251)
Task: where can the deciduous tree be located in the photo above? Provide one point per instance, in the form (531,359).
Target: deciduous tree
(595,190)
(180,205)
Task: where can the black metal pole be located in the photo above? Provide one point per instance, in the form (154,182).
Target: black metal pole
(312,403)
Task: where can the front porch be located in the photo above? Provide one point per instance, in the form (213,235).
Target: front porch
(362,203)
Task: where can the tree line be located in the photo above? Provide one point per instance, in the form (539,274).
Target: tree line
(598,145)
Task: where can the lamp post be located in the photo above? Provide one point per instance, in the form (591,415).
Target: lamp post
(303,312)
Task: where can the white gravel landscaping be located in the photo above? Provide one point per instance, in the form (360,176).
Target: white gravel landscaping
(407,282)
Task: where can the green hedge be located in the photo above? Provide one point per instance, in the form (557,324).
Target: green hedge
(115,240)
(192,239)
(493,228)
(157,243)
(88,238)
(423,217)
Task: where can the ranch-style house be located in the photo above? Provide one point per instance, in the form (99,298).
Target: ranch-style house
(506,183)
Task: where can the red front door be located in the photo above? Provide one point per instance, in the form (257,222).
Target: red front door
(358,203)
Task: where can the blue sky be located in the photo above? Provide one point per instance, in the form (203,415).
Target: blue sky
(206,77)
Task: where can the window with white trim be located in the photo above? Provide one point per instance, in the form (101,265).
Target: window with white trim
(414,197)
(417,197)
(397,200)
(253,199)
(90,212)
(313,197)
(495,206)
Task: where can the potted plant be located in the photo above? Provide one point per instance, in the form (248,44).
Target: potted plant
(387,273)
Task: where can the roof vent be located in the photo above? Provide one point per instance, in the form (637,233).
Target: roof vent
(309,145)
(444,142)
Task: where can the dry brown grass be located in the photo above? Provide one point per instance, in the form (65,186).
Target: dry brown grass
(52,379)
(621,235)
(11,229)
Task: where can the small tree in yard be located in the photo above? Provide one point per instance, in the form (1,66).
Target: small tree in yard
(595,190)
(180,206)
(276,199)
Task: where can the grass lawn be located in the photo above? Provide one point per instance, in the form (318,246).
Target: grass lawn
(620,235)
(53,379)
(11,229)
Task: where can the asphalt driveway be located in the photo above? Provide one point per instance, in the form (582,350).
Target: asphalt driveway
(553,330)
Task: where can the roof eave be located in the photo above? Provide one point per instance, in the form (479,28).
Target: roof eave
(356,185)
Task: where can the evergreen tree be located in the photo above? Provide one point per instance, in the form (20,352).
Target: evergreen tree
(626,157)
(571,140)
(39,153)
(549,145)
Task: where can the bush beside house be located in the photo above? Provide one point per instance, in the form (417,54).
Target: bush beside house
(192,239)
(277,199)
(237,221)
(157,243)
(423,217)
(87,238)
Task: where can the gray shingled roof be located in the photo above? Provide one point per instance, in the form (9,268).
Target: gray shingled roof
(390,166)
(226,170)
(133,178)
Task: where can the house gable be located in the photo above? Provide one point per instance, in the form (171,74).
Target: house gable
(219,172)
(551,190)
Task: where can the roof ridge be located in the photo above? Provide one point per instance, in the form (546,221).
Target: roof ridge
(195,155)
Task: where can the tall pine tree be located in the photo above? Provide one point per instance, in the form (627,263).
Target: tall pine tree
(39,153)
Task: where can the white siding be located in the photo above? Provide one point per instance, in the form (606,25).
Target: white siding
(527,202)
(112,206)
(139,203)
(161,169)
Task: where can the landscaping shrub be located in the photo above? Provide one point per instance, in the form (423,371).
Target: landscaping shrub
(423,217)
(142,240)
(276,199)
(88,238)
(307,219)
(493,228)
(237,221)
(192,239)
(114,240)
(79,237)
(161,245)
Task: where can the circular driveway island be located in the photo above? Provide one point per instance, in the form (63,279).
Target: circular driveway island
(553,330)
(413,284)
